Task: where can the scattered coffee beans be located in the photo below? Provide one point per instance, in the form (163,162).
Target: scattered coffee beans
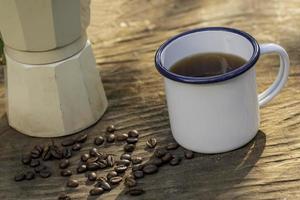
(94,152)
(67,153)
(151,143)
(188,154)
(20,177)
(76,147)
(156,161)
(40,168)
(68,142)
(150,169)
(96,191)
(105,185)
(81,168)
(133,133)
(110,129)
(84,157)
(172,146)
(26,159)
(126,156)
(110,161)
(129,147)
(122,137)
(175,161)
(81,138)
(72,183)
(65,172)
(123,162)
(115,180)
(98,140)
(34,163)
(46,154)
(160,153)
(111,174)
(120,168)
(137,167)
(110,138)
(130,181)
(29,175)
(132,140)
(64,164)
(45,173)
(137,160)
(167,157)
(92,176)
(138,174)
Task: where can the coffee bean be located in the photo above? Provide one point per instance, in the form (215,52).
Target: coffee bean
(20,177)
(46,154)
(151,143)
(98,140)
(167,157)
(156,161)
(64,164)
(35,153)
(133,133)
(100,180)
(29,175)
(81,168)
(137,167)
(110,138)
(121,137)
(172,146)
(150,169)
(120,168)
(123,162)
(34,163)
(66,172)
(93,166)
(160,152)
(138,174)
(92,160)
(126,156)
(135,191)
(67,152)
(130,181)
(26,159)
(84,157)
(102,164)
(110,161)
(188,154)
(40,168)
(72,183)
(92,176)
(136,160)
(129,147)
(132,140)
(115,180)
(175,161)
(68,142)
(110,129)
(76,147)
(102,156)
(105,185)
(45,173)
(94,152)
(64,196)
(55,152)
(81,138)
(96,191)
(111,174)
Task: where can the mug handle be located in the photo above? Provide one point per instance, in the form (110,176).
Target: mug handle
(282,75)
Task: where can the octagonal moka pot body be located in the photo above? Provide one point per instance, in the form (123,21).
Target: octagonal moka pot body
(53,86)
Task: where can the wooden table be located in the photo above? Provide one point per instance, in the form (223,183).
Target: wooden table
(125,35)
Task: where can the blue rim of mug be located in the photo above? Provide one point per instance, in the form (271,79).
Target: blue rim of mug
(211,79)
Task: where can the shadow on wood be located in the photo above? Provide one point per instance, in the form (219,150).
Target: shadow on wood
(215,175)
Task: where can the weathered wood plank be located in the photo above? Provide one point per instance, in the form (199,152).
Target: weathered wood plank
(125,35)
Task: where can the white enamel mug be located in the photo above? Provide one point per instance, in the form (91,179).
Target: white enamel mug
(218,113)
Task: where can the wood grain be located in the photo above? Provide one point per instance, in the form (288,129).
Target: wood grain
(125,35)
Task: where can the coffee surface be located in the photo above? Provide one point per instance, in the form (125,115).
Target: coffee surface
(207,64)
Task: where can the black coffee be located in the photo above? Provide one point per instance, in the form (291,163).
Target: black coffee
(207,64)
